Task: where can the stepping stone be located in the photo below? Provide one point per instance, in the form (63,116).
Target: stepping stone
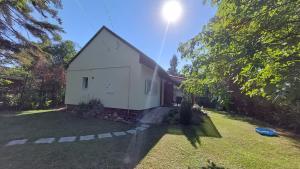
(145,125)
(87,137)
(132,131)
(104,135)
(122,133)
(67,139)
(44,141)
(141,128)
(16,142)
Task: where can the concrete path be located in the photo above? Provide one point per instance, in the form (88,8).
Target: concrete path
(156,115)
(69,139)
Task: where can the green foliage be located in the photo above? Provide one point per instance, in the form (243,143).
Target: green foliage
(249,51)
(5,82)
(185,111)
(10,100)
(61,53)
(254,44)
(40,83)
(93,108)
(23,24)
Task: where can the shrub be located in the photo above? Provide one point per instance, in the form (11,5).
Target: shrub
(197,109)
(10,100)
(172,117)
(185,112)
(197,114)
(91,109)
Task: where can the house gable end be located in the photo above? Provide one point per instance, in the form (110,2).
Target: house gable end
(105,49)
(143,58)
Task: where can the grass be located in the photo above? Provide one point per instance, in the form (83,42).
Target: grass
(228,142)
(105,153)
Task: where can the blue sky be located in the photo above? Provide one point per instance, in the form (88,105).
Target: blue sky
(140,22)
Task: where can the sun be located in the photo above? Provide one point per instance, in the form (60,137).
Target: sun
(172,10)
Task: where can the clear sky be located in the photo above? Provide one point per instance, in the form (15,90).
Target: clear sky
(140,22)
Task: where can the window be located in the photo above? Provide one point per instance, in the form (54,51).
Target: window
(151,87)
(147,86)
(85,82)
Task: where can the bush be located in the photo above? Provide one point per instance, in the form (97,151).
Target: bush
(10,100)
(185,111)
(205,102)
(93,108)
(197,109)
(172,117)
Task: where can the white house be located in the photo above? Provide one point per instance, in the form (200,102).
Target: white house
(121,76)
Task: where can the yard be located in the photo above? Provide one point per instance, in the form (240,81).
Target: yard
(227,141)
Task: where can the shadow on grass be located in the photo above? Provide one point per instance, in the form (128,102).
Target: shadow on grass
(295,138)
(140,145)
(242,118)
(212,165)
(193,133)
(117,152)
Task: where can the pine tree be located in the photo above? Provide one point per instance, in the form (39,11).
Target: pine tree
(173,66)
(18,28)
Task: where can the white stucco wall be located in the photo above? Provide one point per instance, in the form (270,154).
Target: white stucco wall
(110,85)
(115,75)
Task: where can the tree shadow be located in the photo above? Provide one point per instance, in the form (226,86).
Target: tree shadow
(117,152)
(243,118)
(295,138)
(212,165)
(140,145)
(193,133)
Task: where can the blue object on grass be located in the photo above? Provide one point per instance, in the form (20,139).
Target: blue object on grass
(266,131)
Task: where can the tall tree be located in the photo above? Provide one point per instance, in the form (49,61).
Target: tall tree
(43,84)
(23,25)
(61,53)
(250,47)
(254,44)
(173,66)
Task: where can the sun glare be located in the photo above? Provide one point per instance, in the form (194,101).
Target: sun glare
(172,10)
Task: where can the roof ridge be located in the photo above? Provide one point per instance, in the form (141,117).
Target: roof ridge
(117,36)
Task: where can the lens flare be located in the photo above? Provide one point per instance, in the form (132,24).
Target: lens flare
(172,11)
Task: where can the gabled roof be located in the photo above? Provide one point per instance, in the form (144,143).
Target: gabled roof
(144,59)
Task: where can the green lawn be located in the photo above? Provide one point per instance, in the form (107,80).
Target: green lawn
(228,142)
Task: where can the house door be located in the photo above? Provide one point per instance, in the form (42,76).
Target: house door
(168,93)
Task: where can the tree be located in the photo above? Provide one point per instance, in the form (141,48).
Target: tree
(50,73)
(19,25)
(41,83)
(173,66)
(254,44)
(250,48)
(61,53)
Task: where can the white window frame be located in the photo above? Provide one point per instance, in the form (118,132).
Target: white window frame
(148,86)
(151,87)
(85,82)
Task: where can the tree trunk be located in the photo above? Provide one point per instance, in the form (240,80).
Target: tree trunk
(21,103)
